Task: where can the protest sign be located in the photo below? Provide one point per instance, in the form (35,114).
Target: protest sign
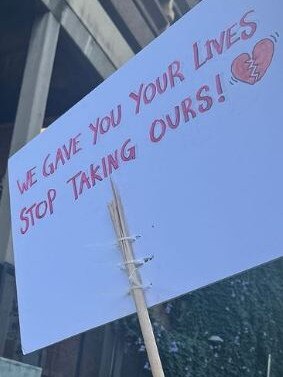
(190,130)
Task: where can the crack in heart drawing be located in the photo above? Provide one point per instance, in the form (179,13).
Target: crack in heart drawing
(251,68)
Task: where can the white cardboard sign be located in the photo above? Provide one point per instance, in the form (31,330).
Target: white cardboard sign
(191,132)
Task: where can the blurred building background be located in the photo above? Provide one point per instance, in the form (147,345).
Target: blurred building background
(52,53)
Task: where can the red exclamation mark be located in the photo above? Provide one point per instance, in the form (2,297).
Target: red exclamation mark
(219,88)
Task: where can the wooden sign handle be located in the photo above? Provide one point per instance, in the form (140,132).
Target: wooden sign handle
(119,223)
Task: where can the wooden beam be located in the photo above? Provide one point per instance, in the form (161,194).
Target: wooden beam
(31,107)
(153,13)
(134,21)
(92,30)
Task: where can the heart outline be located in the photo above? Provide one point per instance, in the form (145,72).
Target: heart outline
(250,69)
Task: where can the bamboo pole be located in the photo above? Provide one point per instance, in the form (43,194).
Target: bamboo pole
(119,223)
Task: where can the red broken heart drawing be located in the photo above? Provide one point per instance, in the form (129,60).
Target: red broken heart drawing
(251,69)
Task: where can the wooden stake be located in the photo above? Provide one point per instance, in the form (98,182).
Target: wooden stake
(119,223)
